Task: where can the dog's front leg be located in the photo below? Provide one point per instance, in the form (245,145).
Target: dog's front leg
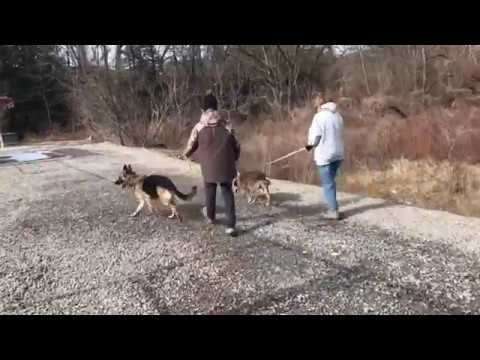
(173,210)
(267,195)
(149,206)
(139,208)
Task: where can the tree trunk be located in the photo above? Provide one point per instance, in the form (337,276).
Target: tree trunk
(472,54)
(105,57)
(47,108)
(424,75)
(1,127)
(131,53)
(118,57)
(82,58)
(193,63)
(152,56)
(161,60)
(365,75)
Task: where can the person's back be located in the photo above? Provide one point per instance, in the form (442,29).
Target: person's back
(328,124)
(216,148)
(218,152)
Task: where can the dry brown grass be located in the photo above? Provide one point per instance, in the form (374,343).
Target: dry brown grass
(431,184)
(56,134)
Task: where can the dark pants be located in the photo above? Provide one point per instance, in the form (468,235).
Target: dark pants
(228,198)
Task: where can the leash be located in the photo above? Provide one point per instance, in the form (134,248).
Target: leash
(268,165)
(287,156)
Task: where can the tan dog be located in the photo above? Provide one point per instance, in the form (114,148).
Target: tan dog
(153,187)
(254,184)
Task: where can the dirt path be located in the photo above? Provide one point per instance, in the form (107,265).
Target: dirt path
(67,245)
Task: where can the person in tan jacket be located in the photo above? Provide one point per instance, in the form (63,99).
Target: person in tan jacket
(217,151)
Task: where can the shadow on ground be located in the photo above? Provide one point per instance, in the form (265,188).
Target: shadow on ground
(292,211)
(285,206)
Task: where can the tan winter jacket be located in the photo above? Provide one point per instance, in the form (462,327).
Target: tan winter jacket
(216,146)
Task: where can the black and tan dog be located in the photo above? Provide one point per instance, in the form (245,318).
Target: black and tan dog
(254,184)
(153,187)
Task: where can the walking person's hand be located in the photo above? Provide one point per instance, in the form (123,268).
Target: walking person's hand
(181,157)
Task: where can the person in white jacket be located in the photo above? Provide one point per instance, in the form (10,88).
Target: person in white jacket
(326,137)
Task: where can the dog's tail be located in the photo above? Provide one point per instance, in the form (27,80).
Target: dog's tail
(186,197)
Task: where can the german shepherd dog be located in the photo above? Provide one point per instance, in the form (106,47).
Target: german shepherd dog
(153,187)
(253,183)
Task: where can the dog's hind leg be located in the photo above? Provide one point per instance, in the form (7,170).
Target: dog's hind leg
(167,199)
(266,193)
(175,213)
(254,198)
(255,194)
(139,208)
(174,210)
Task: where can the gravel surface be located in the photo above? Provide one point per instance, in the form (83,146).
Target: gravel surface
(67,246)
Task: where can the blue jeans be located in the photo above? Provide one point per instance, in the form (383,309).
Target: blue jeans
(327,175)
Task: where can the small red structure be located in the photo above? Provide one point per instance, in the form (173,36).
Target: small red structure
(6,103)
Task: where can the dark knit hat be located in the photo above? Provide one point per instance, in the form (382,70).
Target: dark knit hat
(210,102)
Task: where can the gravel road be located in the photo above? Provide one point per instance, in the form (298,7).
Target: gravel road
(68,246)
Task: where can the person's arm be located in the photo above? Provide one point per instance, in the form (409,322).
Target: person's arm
(236,146)
(314,144)
(314,134)
(192,144)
